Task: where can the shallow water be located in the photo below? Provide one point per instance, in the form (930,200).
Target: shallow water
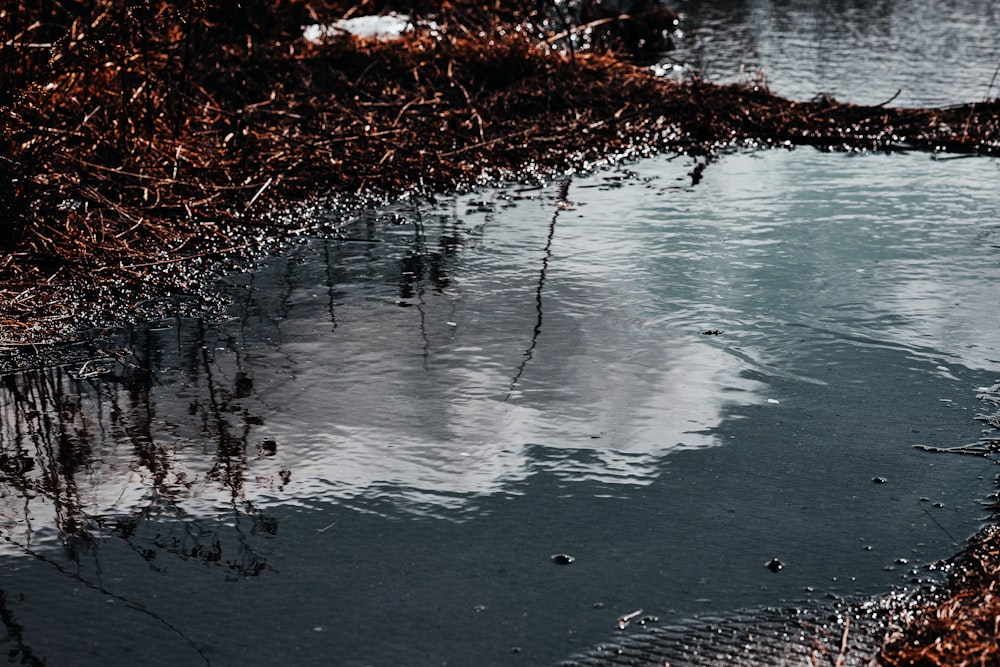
(373,460)
(376,457)
(931,53)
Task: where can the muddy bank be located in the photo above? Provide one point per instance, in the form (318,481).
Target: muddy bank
(147,148)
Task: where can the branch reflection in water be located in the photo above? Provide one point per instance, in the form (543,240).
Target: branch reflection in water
(390,363)
(561,203)
(422,394)
(86,460)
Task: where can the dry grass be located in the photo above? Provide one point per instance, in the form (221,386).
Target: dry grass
(143,144)
(963,629)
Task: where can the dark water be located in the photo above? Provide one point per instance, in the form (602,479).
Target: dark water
(374,459)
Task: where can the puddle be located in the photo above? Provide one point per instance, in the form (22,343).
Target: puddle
(483,430)
(381,451)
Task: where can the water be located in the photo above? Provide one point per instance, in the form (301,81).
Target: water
(374,459)
(377,456)
(930,53)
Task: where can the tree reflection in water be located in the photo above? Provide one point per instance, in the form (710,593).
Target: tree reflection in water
(86,456)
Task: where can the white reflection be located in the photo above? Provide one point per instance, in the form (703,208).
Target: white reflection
(452,396)
(458,434)
(556,338)
(944,307)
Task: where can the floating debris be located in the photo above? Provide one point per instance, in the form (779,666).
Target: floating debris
(623,621)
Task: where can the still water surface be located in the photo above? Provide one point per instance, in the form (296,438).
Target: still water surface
(377,455)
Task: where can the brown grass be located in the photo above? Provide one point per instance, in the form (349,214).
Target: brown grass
(143,144)
(963,628)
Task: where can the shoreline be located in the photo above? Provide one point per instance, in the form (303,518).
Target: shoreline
(145,152)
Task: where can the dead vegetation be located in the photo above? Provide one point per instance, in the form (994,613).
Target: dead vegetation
(140,143)
(963,628)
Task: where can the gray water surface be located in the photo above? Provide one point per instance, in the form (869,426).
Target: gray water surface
(912,52)
(374,459)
